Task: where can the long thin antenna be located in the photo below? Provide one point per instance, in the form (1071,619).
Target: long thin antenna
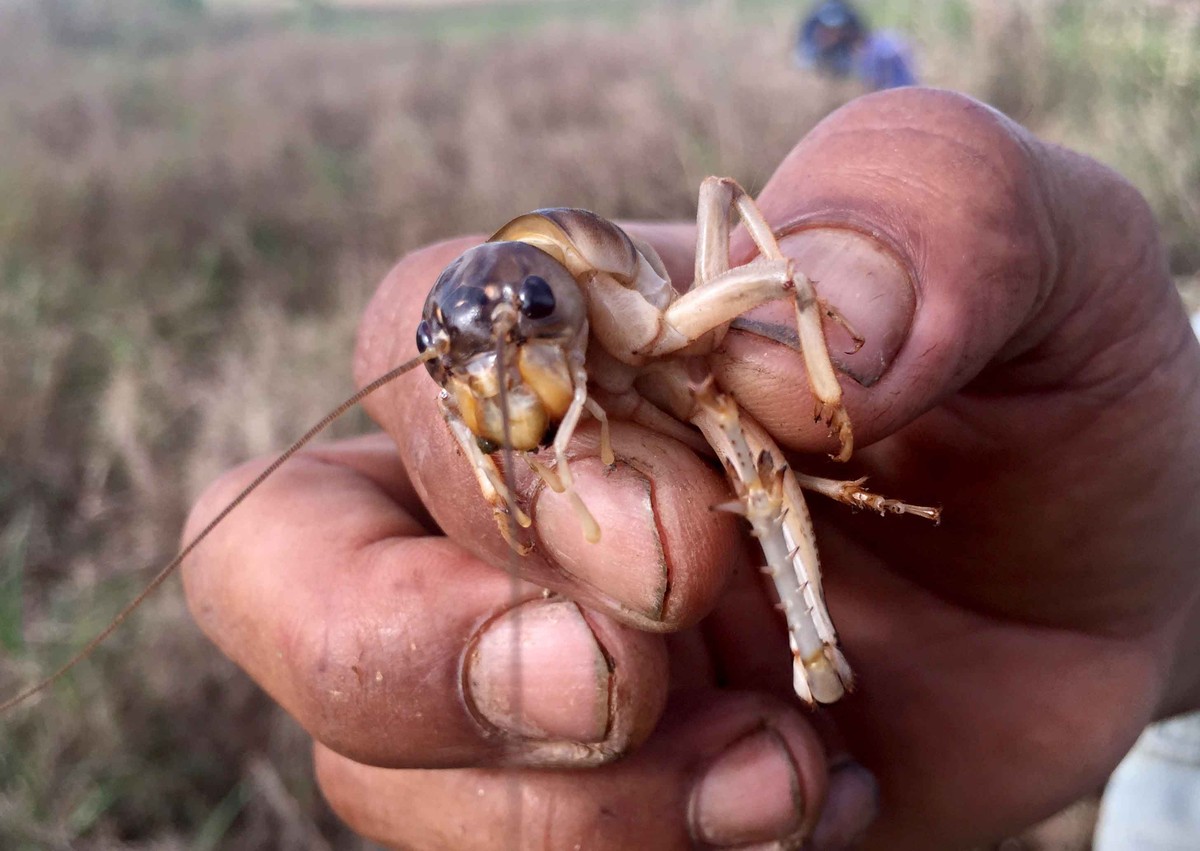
(162,575)
(503,327)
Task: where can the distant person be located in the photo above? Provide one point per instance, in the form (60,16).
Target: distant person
(834,39)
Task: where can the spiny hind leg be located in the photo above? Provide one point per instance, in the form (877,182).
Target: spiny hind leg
(851,492)
(698,311)
(505,507)
(766,498)
(826,389)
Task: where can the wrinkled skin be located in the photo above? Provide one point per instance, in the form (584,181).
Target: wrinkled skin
(1029,367)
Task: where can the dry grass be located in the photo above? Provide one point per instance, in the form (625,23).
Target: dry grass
(193,210)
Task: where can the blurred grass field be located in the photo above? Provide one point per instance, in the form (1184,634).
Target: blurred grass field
(195,204)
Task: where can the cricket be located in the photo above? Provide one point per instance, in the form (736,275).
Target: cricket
(560,315)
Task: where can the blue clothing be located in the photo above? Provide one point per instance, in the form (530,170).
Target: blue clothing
(883,61)
(835,41)
(828,38)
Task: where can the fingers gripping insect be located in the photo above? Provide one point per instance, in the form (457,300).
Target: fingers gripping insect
(561,314)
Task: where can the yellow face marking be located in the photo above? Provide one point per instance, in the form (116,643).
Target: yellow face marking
(478,398)
(465,399)
(544,370)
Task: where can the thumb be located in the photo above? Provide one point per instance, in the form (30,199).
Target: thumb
(962,250)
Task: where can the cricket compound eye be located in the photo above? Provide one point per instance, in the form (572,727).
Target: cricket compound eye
(424,337)
(536,298)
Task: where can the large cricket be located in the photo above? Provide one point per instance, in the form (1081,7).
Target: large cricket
(561,315)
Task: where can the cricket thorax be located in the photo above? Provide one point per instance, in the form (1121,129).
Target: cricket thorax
(509,321)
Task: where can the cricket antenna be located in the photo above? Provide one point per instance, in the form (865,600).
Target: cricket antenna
(502,329)
(163,574)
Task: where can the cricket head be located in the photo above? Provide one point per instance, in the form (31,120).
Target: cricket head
(510,323)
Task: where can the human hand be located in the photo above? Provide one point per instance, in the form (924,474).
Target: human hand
(1028,366)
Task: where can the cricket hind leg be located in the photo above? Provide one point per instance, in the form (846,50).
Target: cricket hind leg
(826,388)
(771,500)
(721,293)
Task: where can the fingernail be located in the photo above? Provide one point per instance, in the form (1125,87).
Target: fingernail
(851,804)
(538,671)
(628,565)
(867,284)
(750,794)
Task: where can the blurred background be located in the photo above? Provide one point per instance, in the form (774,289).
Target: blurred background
(197,197)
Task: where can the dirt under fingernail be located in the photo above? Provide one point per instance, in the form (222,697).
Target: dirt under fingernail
(539,672)
(628,565)
(750,794)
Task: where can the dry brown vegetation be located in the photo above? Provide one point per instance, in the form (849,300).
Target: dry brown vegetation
(193,210)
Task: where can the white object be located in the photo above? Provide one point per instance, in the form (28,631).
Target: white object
(1152,802)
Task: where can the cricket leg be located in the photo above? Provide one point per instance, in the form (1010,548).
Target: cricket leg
(606,450)
(491,483)
(631,406)
(558,478)
(774,505)
(721,294)
(547,473)
(852,493)
(591,529)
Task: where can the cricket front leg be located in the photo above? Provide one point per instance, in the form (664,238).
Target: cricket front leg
(491,483)
(770,498)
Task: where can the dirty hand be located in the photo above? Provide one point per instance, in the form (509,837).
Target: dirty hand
(1028,366)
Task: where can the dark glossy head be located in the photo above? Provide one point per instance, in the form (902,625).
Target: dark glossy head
(510,279)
